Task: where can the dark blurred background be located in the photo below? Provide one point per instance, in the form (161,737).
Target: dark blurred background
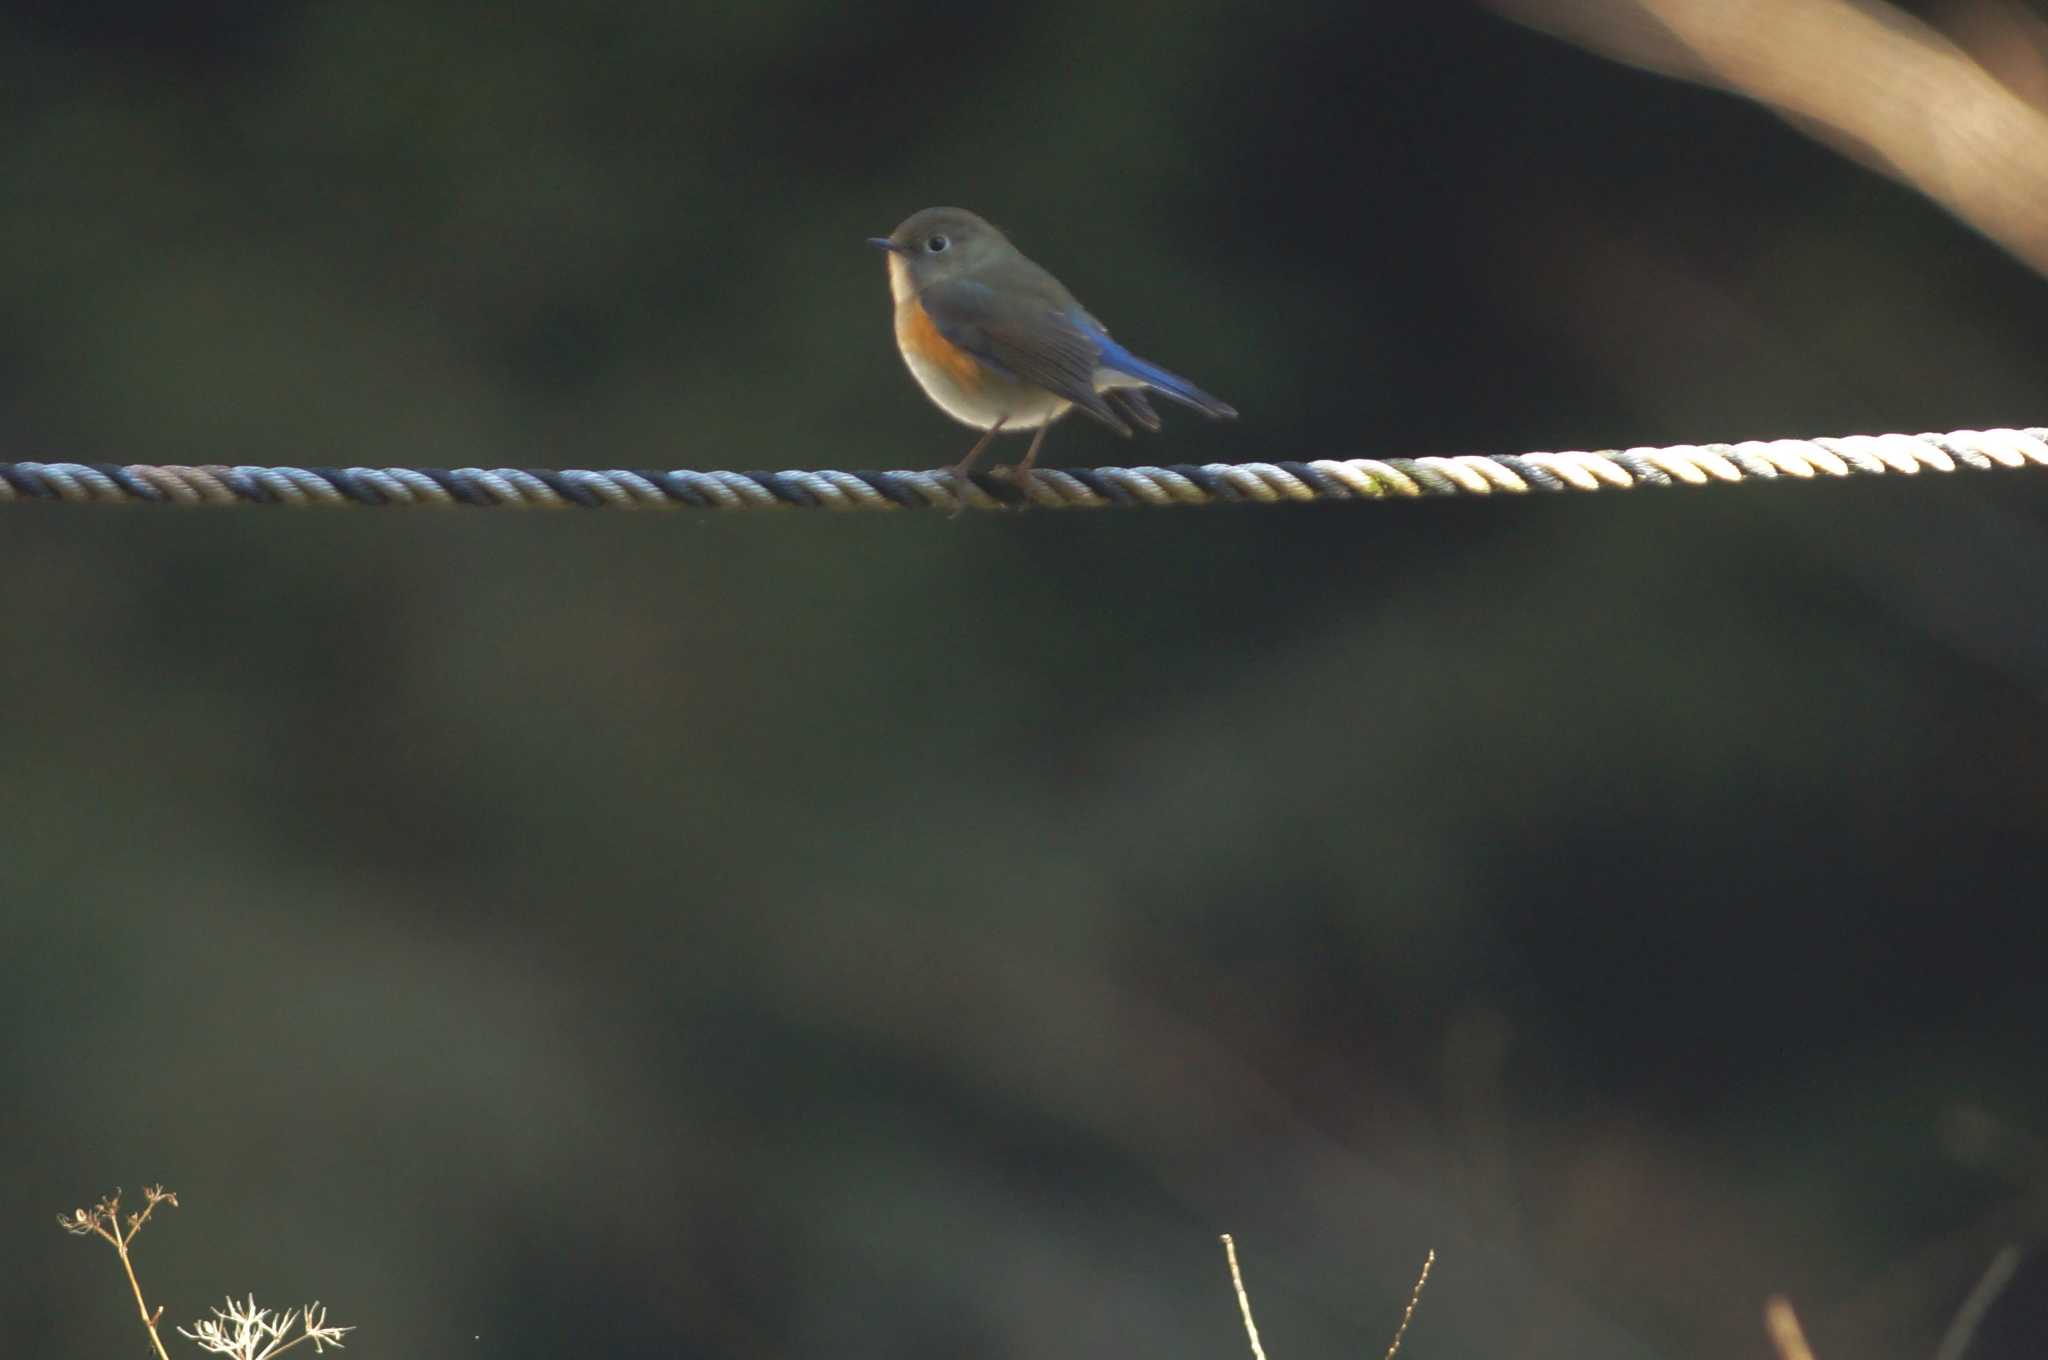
(903,936)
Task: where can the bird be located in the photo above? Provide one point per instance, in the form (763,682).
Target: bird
(998,343)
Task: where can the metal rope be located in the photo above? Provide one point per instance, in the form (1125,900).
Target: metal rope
(1325,479)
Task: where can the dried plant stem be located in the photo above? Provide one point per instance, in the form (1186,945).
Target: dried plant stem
(1963,1329)
(149,1320)
(1244,1302)
(104,1220)
(1251,1329)
(1783,1325)
(239,1330)
(1414,1297)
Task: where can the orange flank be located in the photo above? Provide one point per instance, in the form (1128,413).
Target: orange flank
(916,333)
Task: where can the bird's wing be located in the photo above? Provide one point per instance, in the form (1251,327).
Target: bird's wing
(1023,335)
(1116,359)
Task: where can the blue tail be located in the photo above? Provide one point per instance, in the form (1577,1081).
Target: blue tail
(1121,360)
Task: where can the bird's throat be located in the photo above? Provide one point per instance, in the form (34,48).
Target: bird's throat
(900,286)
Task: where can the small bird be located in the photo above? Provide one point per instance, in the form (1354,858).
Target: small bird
(1000,344)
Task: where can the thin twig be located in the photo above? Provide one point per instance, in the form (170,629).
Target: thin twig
(142,1308)
(1414,1297)
(104,1220)
(1251,1329)
(1977,1303)
(1244,1302)
(1783,1325)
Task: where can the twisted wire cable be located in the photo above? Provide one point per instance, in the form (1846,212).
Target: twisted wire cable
(1274,483)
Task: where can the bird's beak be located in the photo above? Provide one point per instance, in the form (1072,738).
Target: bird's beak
(884,243)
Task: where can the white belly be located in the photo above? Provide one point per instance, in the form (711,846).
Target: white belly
(1019,406)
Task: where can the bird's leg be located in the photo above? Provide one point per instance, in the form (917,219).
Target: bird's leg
(1023,470)
(966,465)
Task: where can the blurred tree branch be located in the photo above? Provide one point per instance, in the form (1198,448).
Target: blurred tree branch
(1862,76)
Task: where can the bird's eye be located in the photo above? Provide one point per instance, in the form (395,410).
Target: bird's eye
(937,244)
